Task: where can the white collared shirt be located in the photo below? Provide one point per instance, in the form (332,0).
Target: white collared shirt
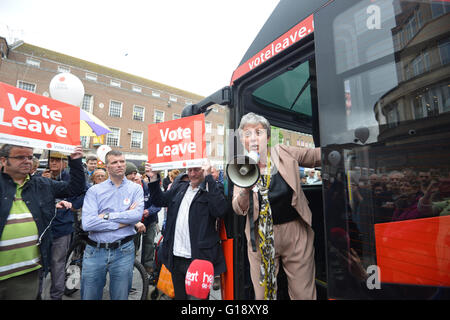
(182,240)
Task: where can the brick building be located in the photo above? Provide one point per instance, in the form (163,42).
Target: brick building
(125,102)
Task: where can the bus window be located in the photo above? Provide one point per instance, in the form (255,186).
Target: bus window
(384,101)
(291,91)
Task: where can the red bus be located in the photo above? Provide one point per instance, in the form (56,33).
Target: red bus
(368,82)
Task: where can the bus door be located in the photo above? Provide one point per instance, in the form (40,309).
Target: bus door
(284,92)
(383,71)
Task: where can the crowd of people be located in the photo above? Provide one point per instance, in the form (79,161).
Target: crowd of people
(119,209)
(401,195)
(39,210)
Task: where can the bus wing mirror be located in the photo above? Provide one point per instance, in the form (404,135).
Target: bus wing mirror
(222,97)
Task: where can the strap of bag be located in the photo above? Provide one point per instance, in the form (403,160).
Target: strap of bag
(252,223)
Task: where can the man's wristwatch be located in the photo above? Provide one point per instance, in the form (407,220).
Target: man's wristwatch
(106,216)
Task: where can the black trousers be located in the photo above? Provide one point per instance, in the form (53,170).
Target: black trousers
(180,267)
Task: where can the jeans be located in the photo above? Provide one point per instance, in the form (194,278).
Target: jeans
(99,261)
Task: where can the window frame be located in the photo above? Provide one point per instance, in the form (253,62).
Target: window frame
(154,116)
(143,113)
(141,140)
(121,109)
(27,83)
(116,130)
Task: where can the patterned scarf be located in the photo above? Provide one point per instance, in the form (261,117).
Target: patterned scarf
(266,244)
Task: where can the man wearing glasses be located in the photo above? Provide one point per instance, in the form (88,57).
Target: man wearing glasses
(27,207)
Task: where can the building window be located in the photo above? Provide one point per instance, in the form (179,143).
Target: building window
(220,129)
(91,77)
(173,99)
(219,150)
(136,139)
(421,63)
(411,28)
(438,9)
(158,116)
(156,93)
(207,127)
(113,138)
(138,113)
(208,148)
(392,116)
(63,69)
(115,109)
(26,86)
(114,83)
(33,62)
(87,103)
(85,142)
(136,89)
(444,50)
(176,116)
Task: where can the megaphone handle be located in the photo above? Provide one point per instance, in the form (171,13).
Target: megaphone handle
(252,223)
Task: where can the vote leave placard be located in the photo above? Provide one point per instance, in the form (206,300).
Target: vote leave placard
(31,120)
(177,144)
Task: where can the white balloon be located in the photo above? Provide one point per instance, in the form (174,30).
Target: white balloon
(67,88)
(334,157)
(102,151)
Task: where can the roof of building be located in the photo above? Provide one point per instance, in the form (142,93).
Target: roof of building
(36,51)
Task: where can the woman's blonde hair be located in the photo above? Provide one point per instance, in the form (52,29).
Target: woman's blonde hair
(173,174)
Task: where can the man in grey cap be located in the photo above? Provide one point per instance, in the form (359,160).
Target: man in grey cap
(130,171)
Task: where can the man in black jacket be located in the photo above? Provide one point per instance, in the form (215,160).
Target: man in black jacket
(193,207)
(27,207)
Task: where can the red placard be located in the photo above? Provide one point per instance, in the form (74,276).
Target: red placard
(178,143)
(31,120)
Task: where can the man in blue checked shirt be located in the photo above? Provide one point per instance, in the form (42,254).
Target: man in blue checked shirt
(110,211)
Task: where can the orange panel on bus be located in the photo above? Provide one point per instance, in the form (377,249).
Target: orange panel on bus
(414,251)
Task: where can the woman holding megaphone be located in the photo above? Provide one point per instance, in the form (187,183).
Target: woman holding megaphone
(278,211)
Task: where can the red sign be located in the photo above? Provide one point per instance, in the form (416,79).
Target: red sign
(178,143)
(31,120)
(295,34)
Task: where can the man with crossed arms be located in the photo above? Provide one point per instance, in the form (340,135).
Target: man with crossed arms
(110,211)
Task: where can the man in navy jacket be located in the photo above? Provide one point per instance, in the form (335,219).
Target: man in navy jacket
(38,194)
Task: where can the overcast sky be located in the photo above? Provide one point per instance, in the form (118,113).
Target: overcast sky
(194,45)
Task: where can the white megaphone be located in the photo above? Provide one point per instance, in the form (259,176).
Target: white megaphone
(243,171)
